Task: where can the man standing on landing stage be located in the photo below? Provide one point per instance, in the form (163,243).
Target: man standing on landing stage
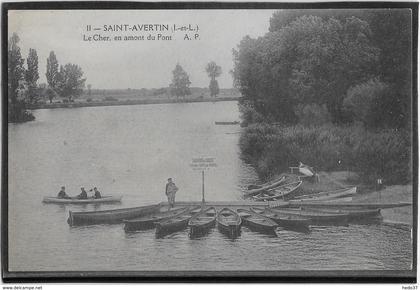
(170,191)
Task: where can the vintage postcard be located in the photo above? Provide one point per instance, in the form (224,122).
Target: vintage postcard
(222,141)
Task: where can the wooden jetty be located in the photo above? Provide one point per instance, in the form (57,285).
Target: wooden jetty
(114,216)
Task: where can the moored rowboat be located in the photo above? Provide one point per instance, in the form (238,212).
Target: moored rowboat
(113,216)
(104,199)
(265,186)
(229,222)
(353,214)
(279,192)
(256,221)
(202,221)
(326,195)
(315,216)
(340,205)
(149,221)
(175,223)
(284,220)
(226,122)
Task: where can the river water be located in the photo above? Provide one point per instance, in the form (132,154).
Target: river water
(131,151)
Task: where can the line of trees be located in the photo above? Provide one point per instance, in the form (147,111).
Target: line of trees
(330,88)
(23,88)
(339,65)
(180,85)
(67,81)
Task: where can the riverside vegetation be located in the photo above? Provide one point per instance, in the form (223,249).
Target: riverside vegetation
(67,84)
(330,88)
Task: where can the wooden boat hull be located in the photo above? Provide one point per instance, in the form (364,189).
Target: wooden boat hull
(165,229)
(149,221)
(174,224)
(203,229)
(265,186)
(279,193)
(257,222)
(114,216)
(202,222)
(353,214)
(232,231)
(226,123)
(285,221)
(317,217)
(342,205)
(326,195)
(232,228)
(105,199)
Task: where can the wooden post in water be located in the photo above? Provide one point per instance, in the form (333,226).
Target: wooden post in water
(202,164)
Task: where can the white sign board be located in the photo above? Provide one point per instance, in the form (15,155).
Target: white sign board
(203,163)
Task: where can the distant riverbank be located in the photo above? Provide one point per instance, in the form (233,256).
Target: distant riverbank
(101,103)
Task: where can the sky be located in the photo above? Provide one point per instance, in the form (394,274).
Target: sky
(141,63)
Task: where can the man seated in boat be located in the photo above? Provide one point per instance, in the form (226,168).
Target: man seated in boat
(62,193)
(97,194)
(83,194)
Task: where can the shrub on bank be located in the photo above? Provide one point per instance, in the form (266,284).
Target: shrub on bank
(383,154)
(312,114)
(17,113)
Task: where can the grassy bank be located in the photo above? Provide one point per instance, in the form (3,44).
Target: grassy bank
(398,216)
(392,194)
(126,102)
(382,154)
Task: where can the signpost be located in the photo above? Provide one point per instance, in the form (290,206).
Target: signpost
(202,164)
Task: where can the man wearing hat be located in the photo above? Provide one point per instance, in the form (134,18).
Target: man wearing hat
(170,191)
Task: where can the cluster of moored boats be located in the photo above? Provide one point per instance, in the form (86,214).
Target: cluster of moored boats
(286,188)
(201,218)
(273,205)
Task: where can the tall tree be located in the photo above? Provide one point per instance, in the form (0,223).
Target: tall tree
(332,56)
(32,76)
(310,60)
(15,68)
(391,31)
(70,81)
(16,71)
(52,75)
(213,71)
(180,85)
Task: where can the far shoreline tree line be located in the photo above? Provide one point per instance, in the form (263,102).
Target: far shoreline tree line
(67,82)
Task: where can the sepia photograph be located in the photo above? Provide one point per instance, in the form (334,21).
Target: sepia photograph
(185,141)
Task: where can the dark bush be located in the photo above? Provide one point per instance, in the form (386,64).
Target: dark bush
(312,114)
(385,154)
(18,113)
